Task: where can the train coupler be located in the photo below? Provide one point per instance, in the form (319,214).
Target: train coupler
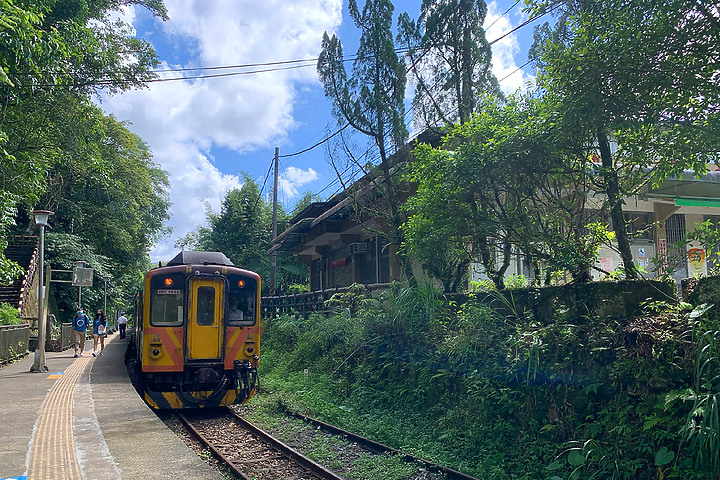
(246,375)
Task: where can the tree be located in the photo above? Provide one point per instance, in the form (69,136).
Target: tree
(371,101)
(640,75)
(450,59)
(242,231)
(55,54)
(242,228)
(117,201)
(503,184)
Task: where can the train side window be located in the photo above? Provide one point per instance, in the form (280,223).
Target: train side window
(167,299)
(242,299)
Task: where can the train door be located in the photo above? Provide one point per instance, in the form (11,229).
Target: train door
(205,311)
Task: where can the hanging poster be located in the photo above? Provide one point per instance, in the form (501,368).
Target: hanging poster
(696,256)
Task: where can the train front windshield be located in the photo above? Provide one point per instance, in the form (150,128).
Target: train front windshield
(242,300)
(167,296)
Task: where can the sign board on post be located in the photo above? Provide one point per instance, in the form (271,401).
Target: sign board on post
(82,277)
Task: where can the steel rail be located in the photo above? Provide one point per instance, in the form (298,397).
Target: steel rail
(287,451)
(380,448)
(217,453)
(306,462)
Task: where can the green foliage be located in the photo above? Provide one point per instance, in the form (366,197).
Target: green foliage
(58,151)
(639,74)
(505,183)
(494,390)
(702,429)
(9,315)
(242,231)
(9,270)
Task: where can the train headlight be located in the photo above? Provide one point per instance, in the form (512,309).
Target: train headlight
(249,350)
(155,351)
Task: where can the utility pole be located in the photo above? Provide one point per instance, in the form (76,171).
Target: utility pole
(273,255)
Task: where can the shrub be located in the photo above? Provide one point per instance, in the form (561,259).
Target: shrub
(9,315)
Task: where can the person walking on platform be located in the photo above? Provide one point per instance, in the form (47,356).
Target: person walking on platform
(80,323)
(99,332)
(122,324)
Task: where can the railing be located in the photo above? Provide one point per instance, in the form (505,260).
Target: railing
(66,337)
(14,341)
(56,343)
(28,278)
(306,303)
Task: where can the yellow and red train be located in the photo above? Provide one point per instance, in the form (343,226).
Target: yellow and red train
(196,333)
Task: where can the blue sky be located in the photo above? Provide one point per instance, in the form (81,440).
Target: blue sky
(207,131)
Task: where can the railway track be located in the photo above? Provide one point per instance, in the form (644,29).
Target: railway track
(379,448)
(248,452)
(252,454)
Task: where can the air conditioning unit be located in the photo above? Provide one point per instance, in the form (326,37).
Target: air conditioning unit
(360,247)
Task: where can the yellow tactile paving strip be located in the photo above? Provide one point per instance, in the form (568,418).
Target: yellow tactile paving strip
(53,453)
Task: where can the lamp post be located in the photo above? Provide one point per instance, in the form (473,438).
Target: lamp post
(41,220)
(105,280)
(79,264)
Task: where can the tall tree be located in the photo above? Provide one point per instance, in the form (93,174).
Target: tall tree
(242,228)
(450,59)
(371,100)
(505,183)
(450,63)
(56,53)
(242,231)
(640,76)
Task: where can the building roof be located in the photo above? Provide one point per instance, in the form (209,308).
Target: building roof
(689,189)
(189,257)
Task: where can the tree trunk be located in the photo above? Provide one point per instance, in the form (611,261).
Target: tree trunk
(612,186)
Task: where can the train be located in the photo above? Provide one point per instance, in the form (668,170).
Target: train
(195,338)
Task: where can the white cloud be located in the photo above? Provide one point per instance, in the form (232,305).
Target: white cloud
(290,181)
(504,50)
(182,120)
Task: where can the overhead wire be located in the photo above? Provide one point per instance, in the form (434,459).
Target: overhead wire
(276,66)
(501,16)
(304,64)
(412,107)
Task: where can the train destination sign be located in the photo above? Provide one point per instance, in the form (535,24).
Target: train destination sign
(168,292)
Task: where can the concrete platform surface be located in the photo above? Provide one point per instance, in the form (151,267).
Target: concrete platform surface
(85,410)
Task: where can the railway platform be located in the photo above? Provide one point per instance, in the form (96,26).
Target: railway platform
(84,420)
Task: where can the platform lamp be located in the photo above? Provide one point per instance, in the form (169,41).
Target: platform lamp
(41,220)
(105,281)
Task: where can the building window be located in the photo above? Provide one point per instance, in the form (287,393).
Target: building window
(639,225)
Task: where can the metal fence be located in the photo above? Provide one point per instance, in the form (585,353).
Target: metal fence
(306,303)
(66,336)
(14,341)
(58,340)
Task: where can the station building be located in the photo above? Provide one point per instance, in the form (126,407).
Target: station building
(341,243)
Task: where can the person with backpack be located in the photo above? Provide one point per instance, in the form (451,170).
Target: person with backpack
(80,323)
(99,332)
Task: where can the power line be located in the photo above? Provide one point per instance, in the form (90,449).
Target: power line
(516,70)
(501,16)
(316,144)
(303,64)
(526,22)
(245,65)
